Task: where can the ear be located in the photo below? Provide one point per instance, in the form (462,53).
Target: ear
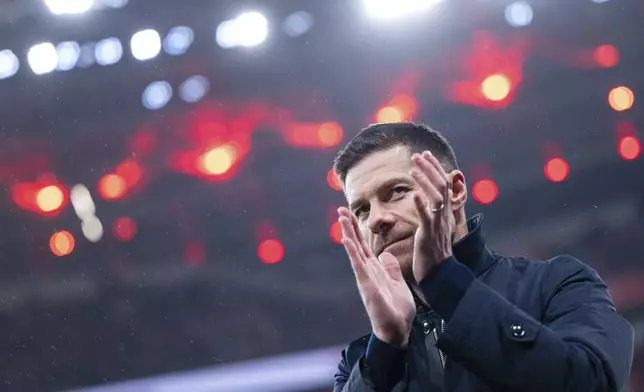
(458,191)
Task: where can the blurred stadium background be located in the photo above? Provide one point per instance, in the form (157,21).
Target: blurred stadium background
(167,220)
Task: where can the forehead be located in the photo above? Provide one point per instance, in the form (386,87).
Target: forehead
(377,169)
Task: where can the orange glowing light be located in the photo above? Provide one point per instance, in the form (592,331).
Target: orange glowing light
(606,56)
(62,243)
(130,170)
(333,180)
(112,186)
(124,228)
(496,87)
(329,134)
(389,114)
(485,191)
(621,98)
(629,148)
(50,198)
(218,160)
(556,169)
(336,233)
(270,251)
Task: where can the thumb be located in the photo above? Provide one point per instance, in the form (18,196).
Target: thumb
(391,266)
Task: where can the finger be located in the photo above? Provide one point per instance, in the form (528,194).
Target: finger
(348,231)
(427,167)
(364,247)
(431,158)
(423,213)
(359,267)
(433,195)
(391,266)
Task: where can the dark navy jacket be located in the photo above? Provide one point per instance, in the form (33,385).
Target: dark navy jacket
(510,324)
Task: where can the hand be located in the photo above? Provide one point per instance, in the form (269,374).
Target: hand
(433,239)
(384,292)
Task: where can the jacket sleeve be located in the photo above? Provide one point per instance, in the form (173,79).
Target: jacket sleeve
(582,345)
(381,369)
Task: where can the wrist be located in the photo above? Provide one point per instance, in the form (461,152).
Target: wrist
(395,339)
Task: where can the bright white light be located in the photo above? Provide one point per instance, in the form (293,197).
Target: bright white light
(297,23)
(248,29)
(92,228)
(519,14)
(108,51)
(157,95)
(115,3)
(9,64)
(68,54)
(178,40)
(599,1)
(193,89)
(60,7)
(42,58)
(388,9)
(82,202)
(145,44)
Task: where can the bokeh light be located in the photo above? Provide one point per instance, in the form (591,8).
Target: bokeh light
(335,232)
(556,169)
(485,191)
(621,98)
(333,180)
(50,198)
(124,228)
(218,160)
(112,186)
(496,87)
(62,243)
(629,148)
(270,251)
(606,56)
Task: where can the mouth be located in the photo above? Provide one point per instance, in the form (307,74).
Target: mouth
(392,244)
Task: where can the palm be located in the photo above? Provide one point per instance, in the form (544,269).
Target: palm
(385,294)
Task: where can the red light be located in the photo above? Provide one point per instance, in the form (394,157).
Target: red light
(629,148)
(130,171)
(42,197)
(62,243)
(401,107)
(124,228)
(270,251)
(329,134)
(606,56)
(556,170)
(485,191)
(336,232)
(112,186)
(195,254)
(333,180)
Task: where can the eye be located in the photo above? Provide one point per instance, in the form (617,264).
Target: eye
(360,211)
(399,191)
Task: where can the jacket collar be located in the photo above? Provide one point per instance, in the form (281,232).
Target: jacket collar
(471,250)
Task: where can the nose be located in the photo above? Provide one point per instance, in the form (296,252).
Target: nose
(380,220)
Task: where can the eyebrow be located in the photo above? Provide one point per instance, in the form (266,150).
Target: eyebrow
(390,183)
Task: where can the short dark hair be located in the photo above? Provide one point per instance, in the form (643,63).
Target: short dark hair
(380,137)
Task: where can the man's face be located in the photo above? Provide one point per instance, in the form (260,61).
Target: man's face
(379,192)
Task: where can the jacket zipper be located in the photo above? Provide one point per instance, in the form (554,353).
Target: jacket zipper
(440,352)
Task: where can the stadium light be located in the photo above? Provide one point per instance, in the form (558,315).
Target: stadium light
(68,54)
(387,9)
(178,40)
(157,95)
(60,7)
(42,58)
(9,64)
(249,29)
(108,51)
(145,44)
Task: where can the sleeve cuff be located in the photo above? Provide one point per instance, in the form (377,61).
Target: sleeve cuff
(385,364)
(445,285)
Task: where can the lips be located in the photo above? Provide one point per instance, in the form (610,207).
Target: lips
(389,244)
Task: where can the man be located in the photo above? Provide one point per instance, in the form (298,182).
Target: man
(447,313)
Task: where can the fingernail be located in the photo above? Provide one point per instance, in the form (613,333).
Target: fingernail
(427,154)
